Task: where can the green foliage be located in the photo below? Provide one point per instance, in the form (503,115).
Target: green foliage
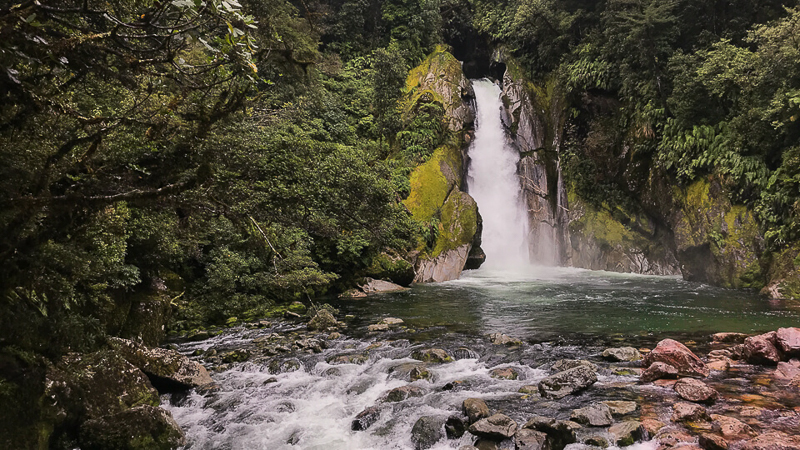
(424,133)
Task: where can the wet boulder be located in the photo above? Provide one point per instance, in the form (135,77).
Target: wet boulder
(622,354)
(503,339)
(730,427)
(366,418)
(628,432)
(786,371)
(621,407)
(688,412)
(761,349)
(657,371)
(566,364)
(567,382)
(695,391)
(168,370)
(710,441)
(559,432)
(677,355)
(427,431)
(527,439)
(498,426)
(432,355)
(373,286)
(788,340)
(504,373)
(144,427)
(323,320)
(475,409)
(403,392)
(455,427)
(596,415)
(773,440)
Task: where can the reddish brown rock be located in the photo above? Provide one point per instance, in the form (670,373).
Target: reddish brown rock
(671,438)
(505,373)
(665,383)
(657,371)
(788,340)
(652,426)
(675,354)
(720,364)
(683,412)
(731,428)
(695,391)
(786,371)
(712,442)
(773,441)
(761,349)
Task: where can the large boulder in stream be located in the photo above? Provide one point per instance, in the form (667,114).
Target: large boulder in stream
(567,382)
(498,426)
(168,370)
(761,349)
(677,355)
(141,428)
(427,431)
(788,340)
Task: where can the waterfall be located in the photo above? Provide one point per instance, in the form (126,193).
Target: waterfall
(492,181)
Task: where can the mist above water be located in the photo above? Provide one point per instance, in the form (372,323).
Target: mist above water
(493,183)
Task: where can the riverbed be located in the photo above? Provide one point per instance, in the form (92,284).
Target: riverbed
(283,387)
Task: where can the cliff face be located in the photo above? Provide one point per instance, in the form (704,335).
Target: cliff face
(437,195)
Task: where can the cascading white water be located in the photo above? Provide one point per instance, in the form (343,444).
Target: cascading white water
(493,183)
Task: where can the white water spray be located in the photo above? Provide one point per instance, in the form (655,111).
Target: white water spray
(493,183)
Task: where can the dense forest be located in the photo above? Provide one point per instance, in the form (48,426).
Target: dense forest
(216,159)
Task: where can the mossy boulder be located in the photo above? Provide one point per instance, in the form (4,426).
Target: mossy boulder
(717,242)
(439,78)
(149,312)
(393,268)
(27,417)
(140,428)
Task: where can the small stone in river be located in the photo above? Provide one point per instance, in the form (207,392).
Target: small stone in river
(506,373)
(465,353)
(651,426)
(427,431)
(498,426)
(677,355)
(433,355)
(683,412)
(378,327)
(761,349)
(401,393)
(366,418)
(596,415)
(621,408)
(657,371)
(527,439)
(597,441)
(622,354)
(567,382)
(695,391)
(322,320)
(712,442)
(502,339)
(628,432)
(475,409)
(335,335)
(721,364)
(529,389)
(391,321)
(455,427)
(728,338)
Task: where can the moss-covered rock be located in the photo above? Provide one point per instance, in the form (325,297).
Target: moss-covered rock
(783,274)
(439,78)
(149,312)
(716,242)
(393,268)
(140,428)
(600,241)
(435,196)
